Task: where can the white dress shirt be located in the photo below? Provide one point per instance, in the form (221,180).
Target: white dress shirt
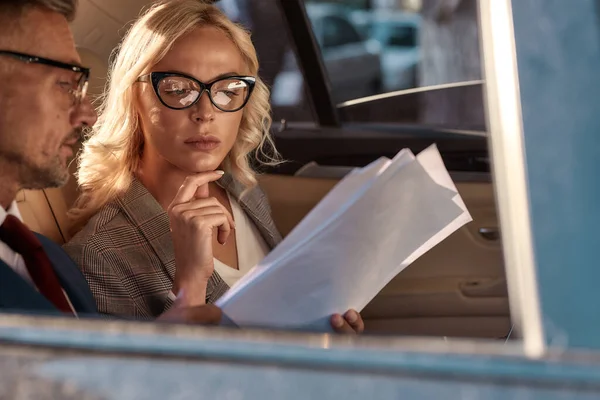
(12,259)
(251,247)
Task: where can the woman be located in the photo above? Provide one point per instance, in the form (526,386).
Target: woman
(169,201)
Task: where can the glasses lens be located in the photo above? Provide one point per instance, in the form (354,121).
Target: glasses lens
(178,92)
(82,88)
(229,94)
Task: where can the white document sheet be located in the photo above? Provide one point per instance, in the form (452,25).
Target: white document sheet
(373,224)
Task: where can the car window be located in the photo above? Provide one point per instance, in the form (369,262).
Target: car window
(278,65)
(338,32)
(408,45)
(395,35)
(399,46)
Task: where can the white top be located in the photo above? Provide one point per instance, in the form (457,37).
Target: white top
(12,259)
(251,247)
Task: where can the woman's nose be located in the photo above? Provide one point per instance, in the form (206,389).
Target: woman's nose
(204,109)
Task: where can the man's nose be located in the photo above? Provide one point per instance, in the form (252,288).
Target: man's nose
(85,114)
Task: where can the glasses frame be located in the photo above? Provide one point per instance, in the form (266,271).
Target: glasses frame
(156,77)
(82,83)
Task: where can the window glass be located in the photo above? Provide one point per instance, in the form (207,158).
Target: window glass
(338,32)
(278,65)
(402,44)
(372,48)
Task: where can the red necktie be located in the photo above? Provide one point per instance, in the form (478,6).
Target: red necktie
(21,240)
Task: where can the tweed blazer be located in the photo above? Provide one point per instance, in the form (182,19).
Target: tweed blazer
(126,251)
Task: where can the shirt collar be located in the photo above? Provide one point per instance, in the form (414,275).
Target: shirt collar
(12,210)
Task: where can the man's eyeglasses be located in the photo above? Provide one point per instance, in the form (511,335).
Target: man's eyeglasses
(79,89)
(179,91)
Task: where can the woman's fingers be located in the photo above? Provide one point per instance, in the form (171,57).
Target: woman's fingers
(354,319)
(204,220)
(212,201)
(197,212)
(340,325)
(192,206)
(350,322)
(221,222)
(209,203)
(202,191)
(190,186)
(223,234)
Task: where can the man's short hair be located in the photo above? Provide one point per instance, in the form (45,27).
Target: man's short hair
(17,7)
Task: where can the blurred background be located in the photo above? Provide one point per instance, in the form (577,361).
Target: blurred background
(368,47)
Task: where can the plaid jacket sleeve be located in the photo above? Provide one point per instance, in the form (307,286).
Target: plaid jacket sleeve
(126,275)
(115,286)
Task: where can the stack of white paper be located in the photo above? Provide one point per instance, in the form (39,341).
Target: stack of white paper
(373,224)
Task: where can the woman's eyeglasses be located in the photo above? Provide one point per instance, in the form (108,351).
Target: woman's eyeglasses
(179,91)
(80,85)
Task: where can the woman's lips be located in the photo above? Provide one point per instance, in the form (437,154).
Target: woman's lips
(203,143)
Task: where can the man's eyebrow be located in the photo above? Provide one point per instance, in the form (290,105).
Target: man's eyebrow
(76,62)
(70,61)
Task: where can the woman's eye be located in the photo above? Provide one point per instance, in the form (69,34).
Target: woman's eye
(177,92)
(228,93)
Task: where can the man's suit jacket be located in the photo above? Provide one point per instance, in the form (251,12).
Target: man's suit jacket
(18,295)
(126,251)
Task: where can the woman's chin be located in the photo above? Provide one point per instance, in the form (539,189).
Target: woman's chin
(195,166)
(198,168)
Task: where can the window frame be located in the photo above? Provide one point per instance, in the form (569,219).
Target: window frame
(510,171)
(309,59)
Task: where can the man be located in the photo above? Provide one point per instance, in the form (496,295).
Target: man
(43,109)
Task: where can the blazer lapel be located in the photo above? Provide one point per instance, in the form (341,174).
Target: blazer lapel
(17,294)
(255,204)
(70,277)
(153,224)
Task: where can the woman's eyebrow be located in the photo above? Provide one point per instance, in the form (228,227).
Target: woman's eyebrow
(220,76)
(225,75)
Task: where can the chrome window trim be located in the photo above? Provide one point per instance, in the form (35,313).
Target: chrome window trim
(507,150)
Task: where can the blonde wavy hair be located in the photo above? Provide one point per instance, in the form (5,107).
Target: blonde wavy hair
(112,152)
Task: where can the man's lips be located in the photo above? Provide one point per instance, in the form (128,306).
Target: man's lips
(69,143)
(71,140)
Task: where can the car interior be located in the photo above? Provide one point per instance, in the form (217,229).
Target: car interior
(458,289)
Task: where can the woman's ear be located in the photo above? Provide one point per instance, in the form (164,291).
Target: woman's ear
(137,92)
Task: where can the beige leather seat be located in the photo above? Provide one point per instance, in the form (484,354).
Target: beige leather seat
(45,211)
(48,217)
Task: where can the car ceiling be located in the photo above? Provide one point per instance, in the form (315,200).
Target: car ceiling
(100,24)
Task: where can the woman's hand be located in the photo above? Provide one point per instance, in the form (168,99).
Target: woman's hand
(350,322)
(193,217)
(207,314)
